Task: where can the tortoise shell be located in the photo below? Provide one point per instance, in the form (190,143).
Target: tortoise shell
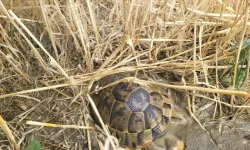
(136,114)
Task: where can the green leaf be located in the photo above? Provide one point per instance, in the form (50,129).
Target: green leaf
(242,68)
(34,145)
(12,31)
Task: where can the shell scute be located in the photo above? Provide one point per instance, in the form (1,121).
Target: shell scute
(159,130)
(136,122)
(131,140)
(145,137)
(138,100)
(167,109)
(121,91)
(104,105)
(152,115)
(166,120)
(156,99)
(119,116)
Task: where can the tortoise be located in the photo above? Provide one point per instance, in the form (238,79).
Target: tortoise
(137,114)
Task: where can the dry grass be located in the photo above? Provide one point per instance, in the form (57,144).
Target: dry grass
(52,51)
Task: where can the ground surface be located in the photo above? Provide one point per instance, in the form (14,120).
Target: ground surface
(231,137)
(213,135)
(51,51)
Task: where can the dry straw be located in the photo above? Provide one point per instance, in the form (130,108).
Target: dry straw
(53,51)
(8,133)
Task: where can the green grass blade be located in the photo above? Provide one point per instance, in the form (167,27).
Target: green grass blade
(242,68)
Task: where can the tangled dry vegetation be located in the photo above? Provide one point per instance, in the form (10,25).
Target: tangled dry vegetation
(52,51)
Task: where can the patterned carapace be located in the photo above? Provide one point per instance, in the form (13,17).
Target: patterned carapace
(137,114)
